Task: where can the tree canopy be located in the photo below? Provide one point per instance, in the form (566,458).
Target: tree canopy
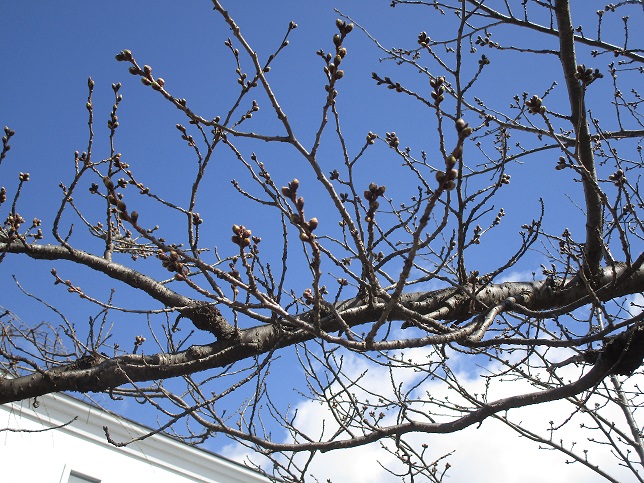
(454,209)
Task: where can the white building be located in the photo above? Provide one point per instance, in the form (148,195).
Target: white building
(80,453)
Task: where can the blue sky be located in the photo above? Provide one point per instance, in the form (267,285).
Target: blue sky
(51,48)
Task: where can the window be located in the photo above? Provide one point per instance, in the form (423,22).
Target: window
(76,477)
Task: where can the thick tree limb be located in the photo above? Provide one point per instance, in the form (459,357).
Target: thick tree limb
(206,320)
(103,374)
(584,149)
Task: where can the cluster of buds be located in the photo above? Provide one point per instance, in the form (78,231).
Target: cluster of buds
(394,86)
(145,73)
(535,105)
(483,41)
(423,39)
(116,199)
(81,157)
(371,138)
(500,215)
(113,198)
(618,177)
(565,242)
(505,179)
(35,224)
(333,61)
(476,239)
(308,296)
(587,76)
(23,177)
(463,129)
(392,139)
(13,222)
(306,227)
(241,236)
(8,133)
(185,136)
(138,342)
(124,56)
(242,77)
(290,192)
(561,163)
(446,179)
(171,261)
(344,28)
(254,108)
(113,122)
(437,93)
(332,69)
(118,163)
(71,288)
(372,195)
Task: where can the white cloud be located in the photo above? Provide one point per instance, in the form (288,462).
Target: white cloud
(489,453)
(519,276)
(636,304)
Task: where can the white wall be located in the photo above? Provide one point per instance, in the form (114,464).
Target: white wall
(49,456)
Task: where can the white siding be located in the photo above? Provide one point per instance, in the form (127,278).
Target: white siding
(81,447)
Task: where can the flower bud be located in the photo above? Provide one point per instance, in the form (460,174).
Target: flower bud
(465,132)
